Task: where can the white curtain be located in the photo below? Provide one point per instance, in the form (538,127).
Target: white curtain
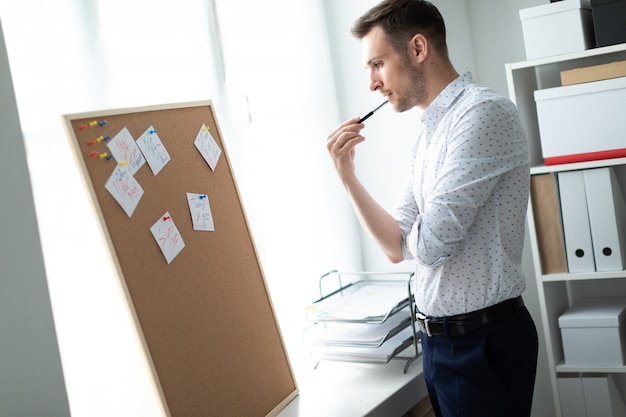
(272,85)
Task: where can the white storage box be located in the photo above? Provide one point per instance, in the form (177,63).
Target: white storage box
(557,28)
(582,122)
(593,332)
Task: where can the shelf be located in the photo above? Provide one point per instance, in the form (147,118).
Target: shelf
(580,276)
(523,78)
(558,59)
(557,291)
(546,169)
(590,369)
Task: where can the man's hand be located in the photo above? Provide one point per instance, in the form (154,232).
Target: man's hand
(341,144)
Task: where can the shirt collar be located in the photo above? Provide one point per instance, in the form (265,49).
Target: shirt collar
(449,94)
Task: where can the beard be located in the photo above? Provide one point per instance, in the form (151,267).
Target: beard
(414,92)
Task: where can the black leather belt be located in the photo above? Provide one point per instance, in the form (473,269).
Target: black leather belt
(468,323)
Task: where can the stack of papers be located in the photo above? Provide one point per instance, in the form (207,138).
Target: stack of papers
(363,302)
(357,334)
(382,354)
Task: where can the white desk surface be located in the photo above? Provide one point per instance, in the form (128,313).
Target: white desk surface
(342,389)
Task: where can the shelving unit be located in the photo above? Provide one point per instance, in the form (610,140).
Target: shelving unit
(363,317)
(558,291)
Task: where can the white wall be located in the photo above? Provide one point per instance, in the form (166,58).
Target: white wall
(31,378)
(483,35)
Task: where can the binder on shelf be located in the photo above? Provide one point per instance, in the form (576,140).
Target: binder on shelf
(607,220)
(602,398)
(548,225)
(590,396)
(576,228)
(572,396)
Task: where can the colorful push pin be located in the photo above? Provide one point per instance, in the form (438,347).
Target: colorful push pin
(95,122)
(152,131)
(109,157)
(102,123)
(205,129)
(91,142)
(202,197)
(99,139)
(166,218)
(123,163)
(93,154)
(103,155)
(82,127)
(107,137)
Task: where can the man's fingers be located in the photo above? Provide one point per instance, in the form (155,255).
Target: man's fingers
(348,122)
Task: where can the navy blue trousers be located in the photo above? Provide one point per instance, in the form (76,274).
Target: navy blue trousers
(488,373)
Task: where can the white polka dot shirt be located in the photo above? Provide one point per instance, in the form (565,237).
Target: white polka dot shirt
(462,209)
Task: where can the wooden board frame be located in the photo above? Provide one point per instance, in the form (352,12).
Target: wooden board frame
(206,321)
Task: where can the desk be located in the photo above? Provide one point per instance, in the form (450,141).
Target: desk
(341,389)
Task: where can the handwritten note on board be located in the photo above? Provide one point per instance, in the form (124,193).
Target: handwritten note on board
(167,237)
(200,212)
(208,147)
(124,149)
(153,150)
(124,188)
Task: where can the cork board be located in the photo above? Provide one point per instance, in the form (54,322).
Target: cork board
(205,317)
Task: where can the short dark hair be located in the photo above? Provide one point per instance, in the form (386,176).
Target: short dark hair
(403,19)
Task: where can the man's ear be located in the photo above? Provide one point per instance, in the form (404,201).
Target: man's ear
(418,48)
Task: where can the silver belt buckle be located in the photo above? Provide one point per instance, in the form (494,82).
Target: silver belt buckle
(425,320)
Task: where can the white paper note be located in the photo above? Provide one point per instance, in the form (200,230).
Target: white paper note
(167,237)
(208,147)
(124,149)
(200,212)
(124,188)
(153,150)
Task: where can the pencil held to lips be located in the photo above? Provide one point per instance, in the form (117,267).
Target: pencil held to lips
(370,114)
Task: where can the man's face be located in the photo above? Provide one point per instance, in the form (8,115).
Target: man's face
(393,74)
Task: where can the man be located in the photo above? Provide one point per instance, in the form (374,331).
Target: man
(460,214)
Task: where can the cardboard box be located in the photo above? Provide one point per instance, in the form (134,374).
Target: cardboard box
(593,332)
(609,21)
(594,73)
(557,28)
(582,122)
